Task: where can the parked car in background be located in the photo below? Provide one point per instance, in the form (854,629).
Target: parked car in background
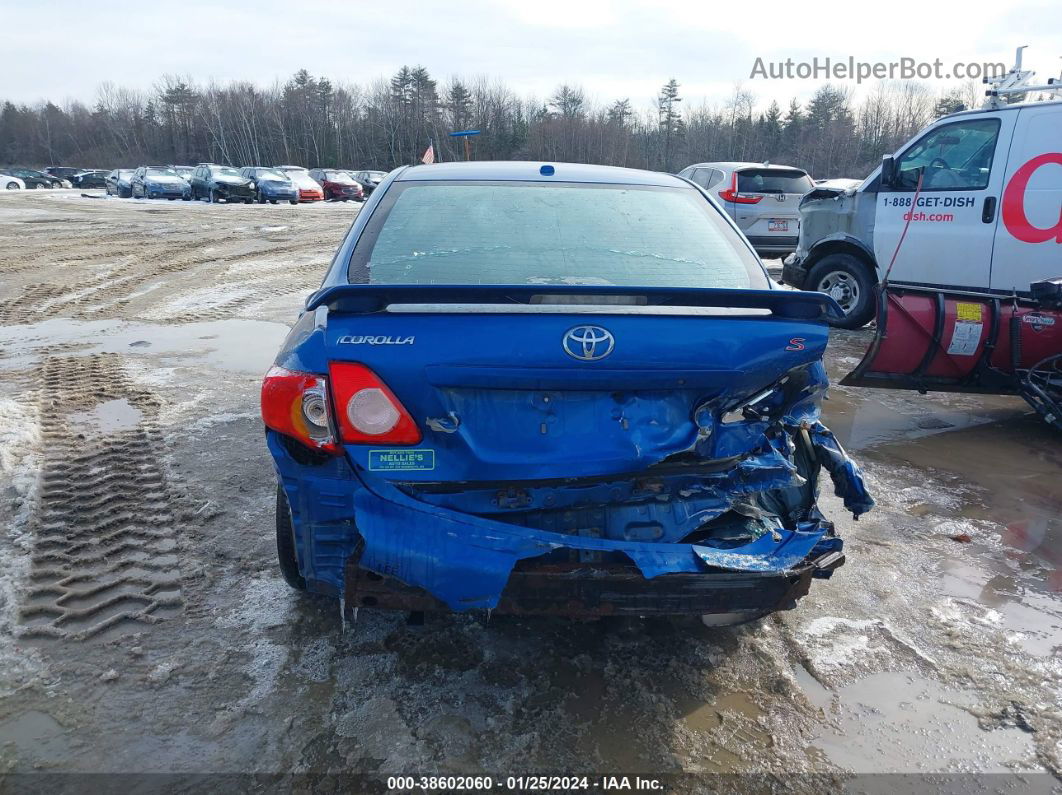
(158,182)
(763,200)
(9,182)
(369,180)
(117,183)
(309,189)
(839,183)
(65,174)
(221,183)
(94,178)
(272,186)
(185,172)
(697,463)
(34,179)
(338,185)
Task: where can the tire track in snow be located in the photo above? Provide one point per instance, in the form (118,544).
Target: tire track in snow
(105,556)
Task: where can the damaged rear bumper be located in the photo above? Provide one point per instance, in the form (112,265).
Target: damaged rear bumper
(365,539)
(577,590)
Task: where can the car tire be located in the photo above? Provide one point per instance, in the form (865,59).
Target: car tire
(848,280)
(293,201)
(11,186)
(272,201)
(214,197)
(261,198)
(286,557)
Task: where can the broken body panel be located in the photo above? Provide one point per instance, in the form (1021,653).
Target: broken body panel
(679,475)
(831,219)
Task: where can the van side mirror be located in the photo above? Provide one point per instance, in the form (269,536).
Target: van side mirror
(888,171)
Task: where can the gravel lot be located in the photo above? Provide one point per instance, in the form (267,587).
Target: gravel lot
(144,626)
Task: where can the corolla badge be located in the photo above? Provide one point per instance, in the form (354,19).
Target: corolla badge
(588,343)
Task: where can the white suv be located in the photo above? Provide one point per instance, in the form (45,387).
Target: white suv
(763,200)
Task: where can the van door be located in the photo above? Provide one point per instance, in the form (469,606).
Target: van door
(949,241)
(1029,229)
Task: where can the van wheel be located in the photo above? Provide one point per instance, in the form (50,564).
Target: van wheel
(847,280)
(289,564)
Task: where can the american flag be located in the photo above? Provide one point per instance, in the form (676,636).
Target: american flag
(429,154)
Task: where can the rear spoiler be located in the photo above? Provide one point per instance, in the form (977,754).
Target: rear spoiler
(363,299)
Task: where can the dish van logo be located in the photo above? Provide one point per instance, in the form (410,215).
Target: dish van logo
(1014,217)
(355,339)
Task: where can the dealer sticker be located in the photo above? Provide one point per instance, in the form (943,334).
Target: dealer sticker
(401,460)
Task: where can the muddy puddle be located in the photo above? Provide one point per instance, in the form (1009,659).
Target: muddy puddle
(107,417)
(919,715)
(246,346)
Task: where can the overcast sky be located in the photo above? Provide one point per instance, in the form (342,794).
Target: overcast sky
(64,50)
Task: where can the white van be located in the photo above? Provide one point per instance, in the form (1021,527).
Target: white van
(988,215)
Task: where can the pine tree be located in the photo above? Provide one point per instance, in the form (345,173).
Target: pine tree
(670,118)
(568,101)
(619,112)
(459,105)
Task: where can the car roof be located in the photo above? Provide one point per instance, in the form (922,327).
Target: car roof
(734,165)
(529,171)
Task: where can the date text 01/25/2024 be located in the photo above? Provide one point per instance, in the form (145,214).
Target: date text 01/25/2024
(531,783)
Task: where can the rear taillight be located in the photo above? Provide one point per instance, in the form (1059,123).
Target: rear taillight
(296,404)
(731,194)
(368,412)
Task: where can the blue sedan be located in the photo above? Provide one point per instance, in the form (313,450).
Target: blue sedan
(554,389)
(271,185)
(158,182)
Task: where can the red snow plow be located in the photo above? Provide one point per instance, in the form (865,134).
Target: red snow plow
(937,340)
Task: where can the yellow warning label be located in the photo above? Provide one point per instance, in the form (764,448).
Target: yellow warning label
(968,312)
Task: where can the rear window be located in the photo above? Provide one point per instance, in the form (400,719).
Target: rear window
(550,233)
(773,180)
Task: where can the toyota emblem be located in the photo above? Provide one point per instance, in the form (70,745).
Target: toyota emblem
(588,343)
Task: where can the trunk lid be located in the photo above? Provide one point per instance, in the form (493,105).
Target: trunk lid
(508,384)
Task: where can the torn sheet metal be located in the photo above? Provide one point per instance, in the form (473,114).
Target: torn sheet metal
(465,559)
